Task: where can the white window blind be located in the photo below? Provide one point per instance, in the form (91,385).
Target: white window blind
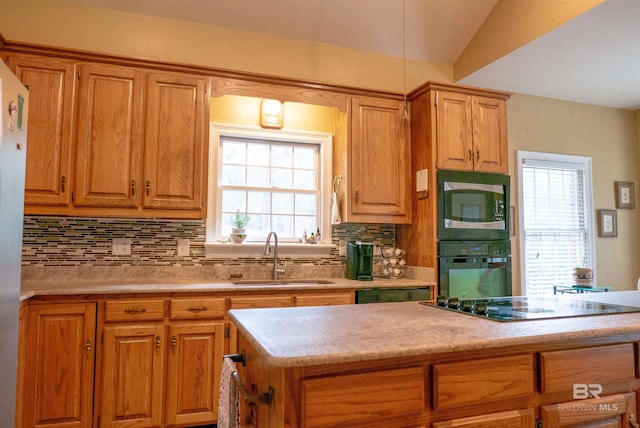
(556,218)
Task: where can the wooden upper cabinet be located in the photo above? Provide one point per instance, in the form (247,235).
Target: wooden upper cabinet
(490,134)
(176,138)
(108,136)
(378,183)
(454,131)
(471,132)
(51,84)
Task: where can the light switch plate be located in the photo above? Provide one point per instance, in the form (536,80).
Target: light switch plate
(183,247)
(121,247)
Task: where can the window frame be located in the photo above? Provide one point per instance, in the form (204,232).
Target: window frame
(582,162)
(213,243)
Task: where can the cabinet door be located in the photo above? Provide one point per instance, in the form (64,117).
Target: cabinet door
(108,136)
(454,131)
(490,134)
(59,365)
(51,83)
(615,411)
(132,379)
(193,379)
(176,137)
(512,419)
(379,162)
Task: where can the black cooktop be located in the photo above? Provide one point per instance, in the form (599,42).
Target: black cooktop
(528,308)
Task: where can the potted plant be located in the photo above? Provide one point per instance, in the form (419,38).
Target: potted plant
(238,228)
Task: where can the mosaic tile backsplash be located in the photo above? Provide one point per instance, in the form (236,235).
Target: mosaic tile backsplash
(64,241)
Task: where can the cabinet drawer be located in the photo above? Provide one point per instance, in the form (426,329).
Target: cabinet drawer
(349,399)
(524,418)
(134,309)
(482,381)
(260,302)
(324,299)
(205,308)
(604,365)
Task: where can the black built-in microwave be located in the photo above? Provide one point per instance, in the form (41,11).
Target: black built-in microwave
(473,206)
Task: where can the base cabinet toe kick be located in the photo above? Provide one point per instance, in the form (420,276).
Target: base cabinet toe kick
(558,385)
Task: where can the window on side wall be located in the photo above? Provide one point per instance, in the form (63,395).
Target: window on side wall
(281,179)
(556,206)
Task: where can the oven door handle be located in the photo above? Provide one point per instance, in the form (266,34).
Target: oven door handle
(465,265)
(496,265)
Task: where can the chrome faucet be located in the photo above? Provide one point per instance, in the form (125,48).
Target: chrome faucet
(267,252)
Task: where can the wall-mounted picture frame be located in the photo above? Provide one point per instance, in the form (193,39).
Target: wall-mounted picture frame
(607,223)
(625,196)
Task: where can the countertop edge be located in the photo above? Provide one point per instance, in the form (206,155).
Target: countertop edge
(92,287)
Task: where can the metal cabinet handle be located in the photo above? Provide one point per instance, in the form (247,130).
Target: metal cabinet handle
(148,185)
(470,155)
(63,182)
(197,309)
(357,196)
(157,344)
(87,348)
(135,310)
(253,397)
(477,155)
(133,187)
(174,342)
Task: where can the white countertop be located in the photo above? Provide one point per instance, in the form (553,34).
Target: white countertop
(294,337)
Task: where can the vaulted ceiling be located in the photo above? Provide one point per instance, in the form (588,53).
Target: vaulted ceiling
(594,58)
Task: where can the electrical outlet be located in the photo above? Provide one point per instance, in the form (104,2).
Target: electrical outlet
(121,247)
(183,247)
(342,249)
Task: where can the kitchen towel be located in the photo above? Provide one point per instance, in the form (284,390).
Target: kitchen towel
(335,210)
(229,405)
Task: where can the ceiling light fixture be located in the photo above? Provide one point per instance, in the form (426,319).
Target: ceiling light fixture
(271,114)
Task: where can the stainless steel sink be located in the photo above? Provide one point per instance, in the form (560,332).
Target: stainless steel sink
(289,281)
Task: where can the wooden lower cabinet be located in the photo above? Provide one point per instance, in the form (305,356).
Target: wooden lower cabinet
(22,338)
(458,390)
(512,419)
(615,411)
(134,385)
(59,361)
(133,376)
(193,375)
(133,361)
(162,367)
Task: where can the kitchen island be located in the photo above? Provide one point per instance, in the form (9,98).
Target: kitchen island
(411,365)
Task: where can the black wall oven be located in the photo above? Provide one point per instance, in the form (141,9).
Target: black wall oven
(469,270)
(474,250)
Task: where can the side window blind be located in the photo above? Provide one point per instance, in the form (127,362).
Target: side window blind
(556,224)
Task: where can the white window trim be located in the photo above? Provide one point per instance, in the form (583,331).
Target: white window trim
(223,249)
(580,162)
